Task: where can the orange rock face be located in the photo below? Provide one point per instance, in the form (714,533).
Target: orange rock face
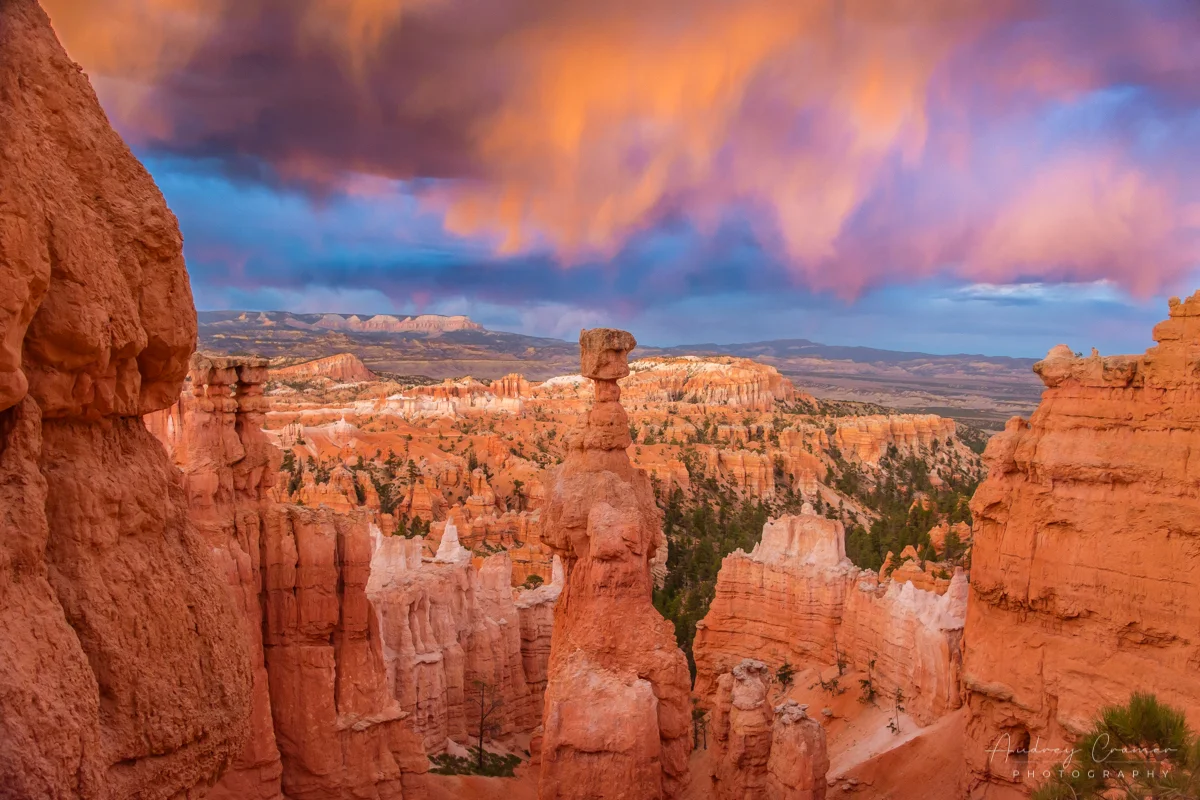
(764,753)
(617,719)
(121,661)
(736,382)
(214,435)
(868,438)
(341,730)
(1085,567)
(797,598)
(343,368)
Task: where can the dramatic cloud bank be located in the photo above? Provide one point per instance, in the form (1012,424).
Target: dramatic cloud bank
(833,147)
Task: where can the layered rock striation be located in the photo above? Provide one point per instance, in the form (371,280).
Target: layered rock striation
(1086,554)
(797,598)
(617,718)
(343,368)
(121,661)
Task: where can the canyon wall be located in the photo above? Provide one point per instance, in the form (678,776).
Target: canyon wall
(365,653)
(797,598)
(1085,581)
(121,659)
(214,435)
(617,719)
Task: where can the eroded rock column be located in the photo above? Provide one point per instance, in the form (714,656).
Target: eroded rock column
(617,720)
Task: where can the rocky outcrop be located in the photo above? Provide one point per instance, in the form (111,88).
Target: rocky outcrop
(1085,561)
(341,731)
(714,380)
(446,627)
(742,723)
(866,439)
(121,661)
(298,577)
(750,471)
(799,757)
(763,753)
(796,598)
(617,719)
(535,609)
(342,368)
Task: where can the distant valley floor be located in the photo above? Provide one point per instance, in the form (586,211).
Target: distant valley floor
(983,391)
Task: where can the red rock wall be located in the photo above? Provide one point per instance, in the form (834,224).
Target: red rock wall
(341,731)
(796,598)
(764,753)
(214,435)
(121,661)
(1086,560)
(446,625)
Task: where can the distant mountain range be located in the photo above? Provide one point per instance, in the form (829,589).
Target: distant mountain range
(982,390)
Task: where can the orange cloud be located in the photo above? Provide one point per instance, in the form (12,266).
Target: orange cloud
(575,127)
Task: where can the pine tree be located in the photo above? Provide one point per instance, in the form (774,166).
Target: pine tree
(1143,749)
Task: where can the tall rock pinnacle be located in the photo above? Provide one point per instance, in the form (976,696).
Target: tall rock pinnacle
(617,719)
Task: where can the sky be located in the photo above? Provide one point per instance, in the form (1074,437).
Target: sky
(938,175)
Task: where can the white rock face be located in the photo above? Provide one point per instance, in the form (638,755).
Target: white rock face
(803,539)
(450,551)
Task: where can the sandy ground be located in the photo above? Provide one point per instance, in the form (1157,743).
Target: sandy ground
(472,787)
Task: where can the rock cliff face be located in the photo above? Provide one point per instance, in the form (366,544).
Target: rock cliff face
(738,382)
(121,666)
(797,598)
(342,732)
(617,718)
(764,753)
(446,625)
(214,435)
(121,662)
(343,368)
(868,438)
(1086,559)
(365,652)
(322,726)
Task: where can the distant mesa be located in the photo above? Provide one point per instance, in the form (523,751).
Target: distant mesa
(385,323)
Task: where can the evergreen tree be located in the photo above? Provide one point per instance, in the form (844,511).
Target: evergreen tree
(1143,749)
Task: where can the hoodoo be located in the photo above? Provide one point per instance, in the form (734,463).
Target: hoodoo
(122,666)
(617,720)
(1085,580)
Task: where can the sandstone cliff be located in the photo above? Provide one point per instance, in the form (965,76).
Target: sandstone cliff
(1086,559)
(214,435)
(343,368)
(121,659)
(866,439)
(717,380)
(617,721)
(370,650)
(764,753)
(797,598)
